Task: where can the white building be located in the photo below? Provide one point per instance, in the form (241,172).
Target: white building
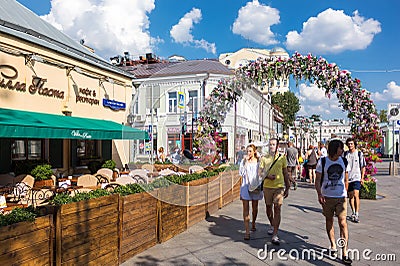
(319,131)
(193,81)
(246,55)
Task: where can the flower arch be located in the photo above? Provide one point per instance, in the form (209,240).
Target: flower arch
(352,98)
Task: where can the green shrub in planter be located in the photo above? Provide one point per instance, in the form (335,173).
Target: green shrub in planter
(110,164)
(368,190)
(18,215)
(42,172)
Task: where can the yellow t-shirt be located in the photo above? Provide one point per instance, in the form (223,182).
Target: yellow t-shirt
(276,170)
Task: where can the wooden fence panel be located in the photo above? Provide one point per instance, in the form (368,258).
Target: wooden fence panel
(226,187)
(172,211)
(213,194)
(139,224)
(27,243)
(88,232)
(237,183)
(197,197)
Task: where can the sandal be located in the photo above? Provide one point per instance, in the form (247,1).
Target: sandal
(253,228)
(246,236)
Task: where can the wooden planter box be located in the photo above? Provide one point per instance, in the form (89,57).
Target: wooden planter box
(213,194)
(139,224)
(27,243)
(160,167)
(44,183)
(237,183)
(226,187)
(88,232)
(172,211)
(197,201)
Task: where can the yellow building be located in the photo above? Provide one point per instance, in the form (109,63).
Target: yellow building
(59,101)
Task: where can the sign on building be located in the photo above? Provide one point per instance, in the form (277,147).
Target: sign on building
(181,100)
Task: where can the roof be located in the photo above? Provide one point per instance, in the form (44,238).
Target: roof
(146,70)
(194,67)
(20,22)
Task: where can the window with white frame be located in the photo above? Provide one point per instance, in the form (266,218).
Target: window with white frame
(193,101)
(172,102)
(23,149)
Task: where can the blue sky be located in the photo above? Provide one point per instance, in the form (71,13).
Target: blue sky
(361,36)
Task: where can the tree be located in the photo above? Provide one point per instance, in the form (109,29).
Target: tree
(315,118)
(383,116)
(289,105)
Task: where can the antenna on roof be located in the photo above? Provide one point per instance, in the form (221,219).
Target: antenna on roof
(82,41)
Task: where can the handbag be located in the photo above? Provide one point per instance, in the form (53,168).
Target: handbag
(259,188)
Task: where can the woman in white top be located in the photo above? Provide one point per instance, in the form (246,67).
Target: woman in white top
(249,171)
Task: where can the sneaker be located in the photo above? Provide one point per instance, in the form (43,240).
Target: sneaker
(356,219)
(352,217)
(275,240)
(346,260)
(270,230)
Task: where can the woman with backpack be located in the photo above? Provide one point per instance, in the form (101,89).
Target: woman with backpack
(311,158)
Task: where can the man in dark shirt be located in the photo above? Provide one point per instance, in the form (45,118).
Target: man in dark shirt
(292,156)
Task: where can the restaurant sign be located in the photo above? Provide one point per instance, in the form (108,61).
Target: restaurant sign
(83,135)
(8,80)
(115,105)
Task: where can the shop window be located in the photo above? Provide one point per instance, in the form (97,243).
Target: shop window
(174,141)
(26,149)
(87,149)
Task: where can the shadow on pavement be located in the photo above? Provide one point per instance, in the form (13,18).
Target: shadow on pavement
(292,244)
(306,208)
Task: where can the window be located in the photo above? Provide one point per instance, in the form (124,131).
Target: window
(285,83)
(26,149)
(172,102)
(278,83)
(193,102)
(87,149)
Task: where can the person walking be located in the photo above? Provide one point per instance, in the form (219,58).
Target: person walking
(249,171)
(273,167)
(356,177)
(322,151)
(240,154)
(311,158)
(331,184)
(292,163)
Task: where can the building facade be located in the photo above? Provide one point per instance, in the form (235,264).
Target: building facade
(46,76)
(177,92)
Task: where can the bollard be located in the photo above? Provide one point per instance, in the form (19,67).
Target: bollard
(393,170)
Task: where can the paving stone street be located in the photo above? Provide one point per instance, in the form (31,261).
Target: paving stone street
(218,240)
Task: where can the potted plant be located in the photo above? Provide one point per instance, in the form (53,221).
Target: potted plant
(42,174)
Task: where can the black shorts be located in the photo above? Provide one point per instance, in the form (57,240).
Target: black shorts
(355,185)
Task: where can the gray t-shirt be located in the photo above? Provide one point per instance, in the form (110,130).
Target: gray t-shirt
(354,165)
(291,156)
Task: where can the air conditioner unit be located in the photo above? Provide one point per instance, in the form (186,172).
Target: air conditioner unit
(140,118)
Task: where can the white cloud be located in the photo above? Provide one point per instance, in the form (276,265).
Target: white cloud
(313,101)
(182,32)
(109,26)
(332,31)
(392,92)
(254,22)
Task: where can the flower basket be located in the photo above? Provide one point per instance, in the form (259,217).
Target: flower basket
(368,190)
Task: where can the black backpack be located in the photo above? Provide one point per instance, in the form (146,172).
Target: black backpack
(323,162)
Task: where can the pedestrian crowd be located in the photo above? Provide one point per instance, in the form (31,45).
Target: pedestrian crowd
(336,175)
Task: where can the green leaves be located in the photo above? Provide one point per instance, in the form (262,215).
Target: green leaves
(18,215)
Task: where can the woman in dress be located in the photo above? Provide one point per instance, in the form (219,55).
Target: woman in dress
(249,171)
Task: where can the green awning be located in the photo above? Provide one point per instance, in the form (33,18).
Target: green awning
(24,124)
